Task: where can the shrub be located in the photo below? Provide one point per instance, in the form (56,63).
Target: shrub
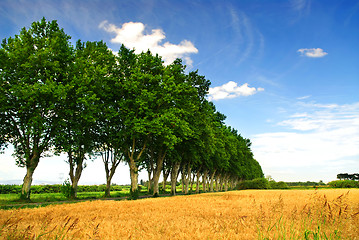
(5,189)
(134,194)
(278,185)
(67,189)
(344,184)
(258,183)
(56,188)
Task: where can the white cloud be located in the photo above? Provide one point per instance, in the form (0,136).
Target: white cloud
(303,97)
(231,90)
(325,138)
(312,52)
(132,35)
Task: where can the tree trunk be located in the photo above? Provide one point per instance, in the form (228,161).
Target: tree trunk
(182,182)
(204,180)
(165,176)
(133,167)
(187,176)
(174,176)
(156,191)
(192,181)
(150,184)
(134,179)
(221,183)
(198,175)
(157,172)
(212,180)
(108,157)
(77,162)
(226,183)
(30,169)
(217,182)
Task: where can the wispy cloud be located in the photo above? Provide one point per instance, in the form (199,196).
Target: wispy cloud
(312,52)
(231,90)
(132,35)
(300,5)
(304,97)
(322,136)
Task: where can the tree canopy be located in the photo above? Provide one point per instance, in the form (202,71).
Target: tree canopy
(86,100)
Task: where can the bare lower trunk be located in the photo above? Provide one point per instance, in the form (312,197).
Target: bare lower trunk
(221,183)
(212,180)
(30,169)
(217,183)
(133,167)
(74,185)
(165,176)
(26,186)
(235,182)
(187,176)
(157,172)
(111,162)
(75,174)
(174,176)
(182,181)
(192,181)
(150,184)
(108,188)
(226,183)
(134,179)
(198,176)
(156,178)
(204,180)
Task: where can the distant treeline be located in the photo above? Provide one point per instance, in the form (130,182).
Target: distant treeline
(347,176)
(56,188)
(344,184)
(306,184)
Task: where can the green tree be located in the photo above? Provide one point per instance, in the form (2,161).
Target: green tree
(168,126)
(33,67)
(136,74)
(83,107)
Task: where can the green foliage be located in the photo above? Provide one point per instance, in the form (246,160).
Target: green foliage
(86,100)
(33,68)
(134,194)
(258,183)
(344,184)
(278,185)
(305,184)
(56,188)
(6,189)
(67,189)
(261,183)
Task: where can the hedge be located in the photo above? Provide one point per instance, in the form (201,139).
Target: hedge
(344,184)
(56,188)
(261,183)
(258,183)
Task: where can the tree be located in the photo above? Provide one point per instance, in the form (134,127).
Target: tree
(33,67)
(167,126)
(82,109)
(137,75)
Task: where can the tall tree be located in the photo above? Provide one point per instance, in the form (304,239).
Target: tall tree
(33,67)
(137,75)
(82,107)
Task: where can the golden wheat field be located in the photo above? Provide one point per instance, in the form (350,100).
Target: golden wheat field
(250,214)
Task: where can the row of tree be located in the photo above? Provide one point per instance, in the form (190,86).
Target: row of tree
(346,176)
(87,101)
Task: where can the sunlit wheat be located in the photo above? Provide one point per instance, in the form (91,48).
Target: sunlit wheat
(267,214)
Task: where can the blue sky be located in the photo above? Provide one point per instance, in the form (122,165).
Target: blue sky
(285,73)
